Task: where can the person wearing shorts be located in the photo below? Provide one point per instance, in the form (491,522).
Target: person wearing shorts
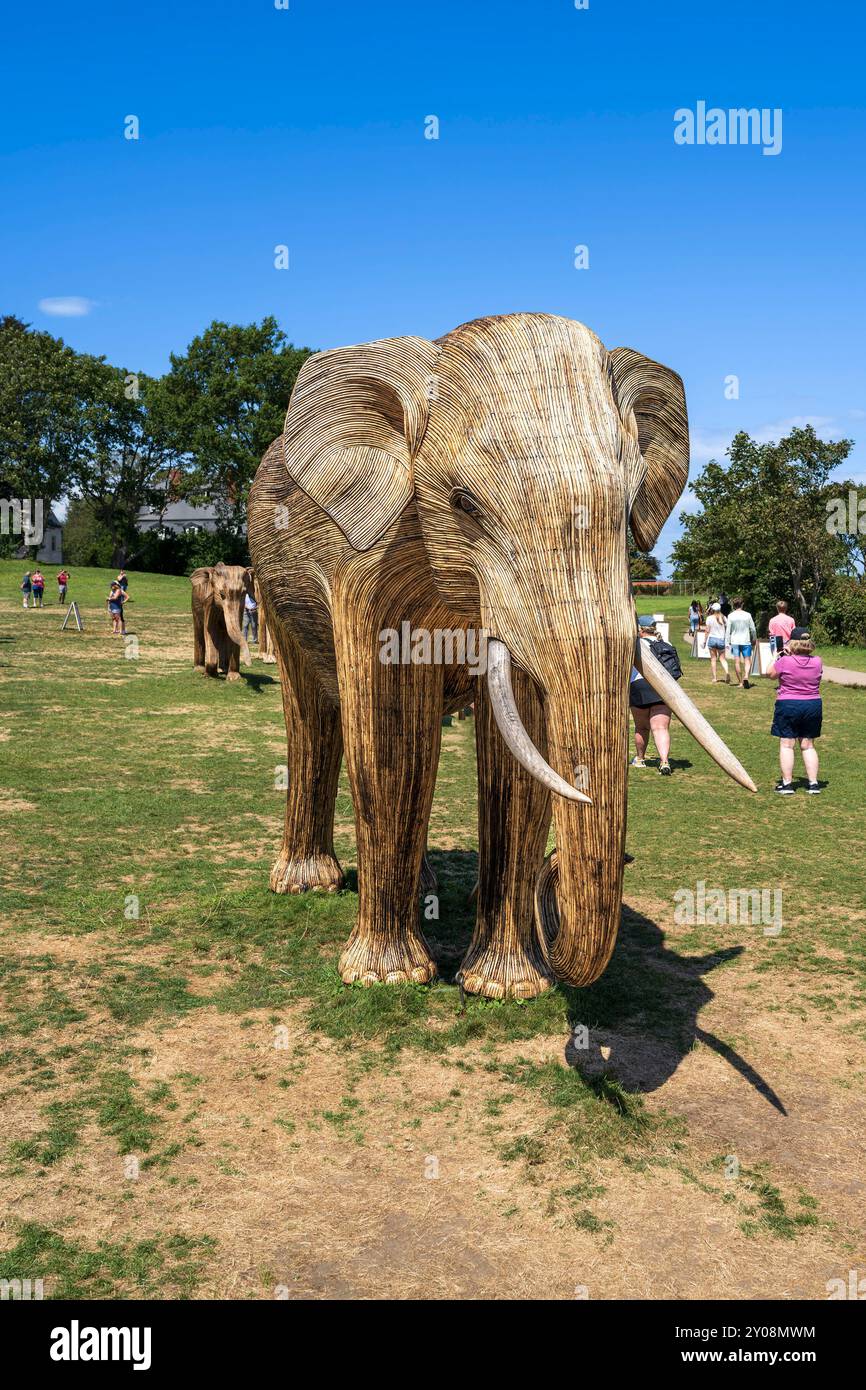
(26,589)
(62,582)
(717,641)
(650,714)
(798,714)
(741,637)
(38,582)
(115,608)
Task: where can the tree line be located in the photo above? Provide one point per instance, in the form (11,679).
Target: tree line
(114,440)
(773,524)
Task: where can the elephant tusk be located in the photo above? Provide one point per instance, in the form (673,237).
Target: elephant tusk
(689,715)
(511,726)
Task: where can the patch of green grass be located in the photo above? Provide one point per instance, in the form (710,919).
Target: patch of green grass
(55,1141)
(164,1267)
(527,1147)
(113,1102)
(599,1117)
(771,1215)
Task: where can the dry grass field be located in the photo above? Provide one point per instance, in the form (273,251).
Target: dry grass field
(194,1106)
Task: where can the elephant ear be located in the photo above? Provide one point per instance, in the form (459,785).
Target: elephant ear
(355,420)
(202,577)
(653,397)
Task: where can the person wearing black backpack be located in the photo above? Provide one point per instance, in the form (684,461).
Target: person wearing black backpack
(650,714)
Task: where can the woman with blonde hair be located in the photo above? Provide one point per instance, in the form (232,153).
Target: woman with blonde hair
(799,709)
(717,625)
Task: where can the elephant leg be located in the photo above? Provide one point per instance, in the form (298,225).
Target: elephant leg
(211,648)
(506,959)
(392,717)
(232,659)
(198,643)
(315,749)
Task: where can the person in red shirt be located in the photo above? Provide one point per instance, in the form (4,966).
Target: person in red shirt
(781,626)
(38,582)
(62,581)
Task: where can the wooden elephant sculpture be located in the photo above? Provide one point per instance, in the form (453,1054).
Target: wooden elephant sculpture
(218,594)
(477,489)
(266,646)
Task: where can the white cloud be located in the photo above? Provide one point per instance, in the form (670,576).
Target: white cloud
(779,428)
(67,306)
(714,444)
(708,444)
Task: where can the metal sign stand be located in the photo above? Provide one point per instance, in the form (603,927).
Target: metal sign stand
(72,612)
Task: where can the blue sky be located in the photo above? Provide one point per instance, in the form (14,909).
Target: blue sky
(305,127)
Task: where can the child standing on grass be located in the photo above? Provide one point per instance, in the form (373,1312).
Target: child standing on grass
(62,582)
(26,589)
(799,709)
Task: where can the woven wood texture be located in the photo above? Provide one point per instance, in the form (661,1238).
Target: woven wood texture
(482,482)
(218,593)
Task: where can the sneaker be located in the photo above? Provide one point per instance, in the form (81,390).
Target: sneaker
(638,762)
(813,789)
(665,770)
(785,788)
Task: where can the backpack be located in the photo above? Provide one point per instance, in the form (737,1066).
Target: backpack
(667,655)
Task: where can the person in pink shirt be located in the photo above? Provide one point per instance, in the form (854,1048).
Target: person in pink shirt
(780,627)
(798,713)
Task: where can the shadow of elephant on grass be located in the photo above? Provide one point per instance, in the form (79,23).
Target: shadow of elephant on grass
(644,1009)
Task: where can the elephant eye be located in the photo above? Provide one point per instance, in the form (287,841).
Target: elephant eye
(463,501)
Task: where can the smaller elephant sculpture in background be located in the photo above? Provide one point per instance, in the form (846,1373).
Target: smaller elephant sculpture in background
(266,645)
(218,594)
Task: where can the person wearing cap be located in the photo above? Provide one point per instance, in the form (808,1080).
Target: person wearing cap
(717,640)
(798,713)
(650,714)
(741,636)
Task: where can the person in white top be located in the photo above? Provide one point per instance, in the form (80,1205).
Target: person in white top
(741,637)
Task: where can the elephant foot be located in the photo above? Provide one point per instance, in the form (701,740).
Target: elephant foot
(319,874)
(498,974)
(199,668)
(269,659)
(369,960)
(233,676)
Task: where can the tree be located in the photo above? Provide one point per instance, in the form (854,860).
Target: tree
(72,425)
(641,563)
(85,540)
(223,402)
(763,529)
(43,386)
(127,460)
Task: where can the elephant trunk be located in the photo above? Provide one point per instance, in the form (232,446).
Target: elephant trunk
(235,632)
(579,894)
(587,736)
